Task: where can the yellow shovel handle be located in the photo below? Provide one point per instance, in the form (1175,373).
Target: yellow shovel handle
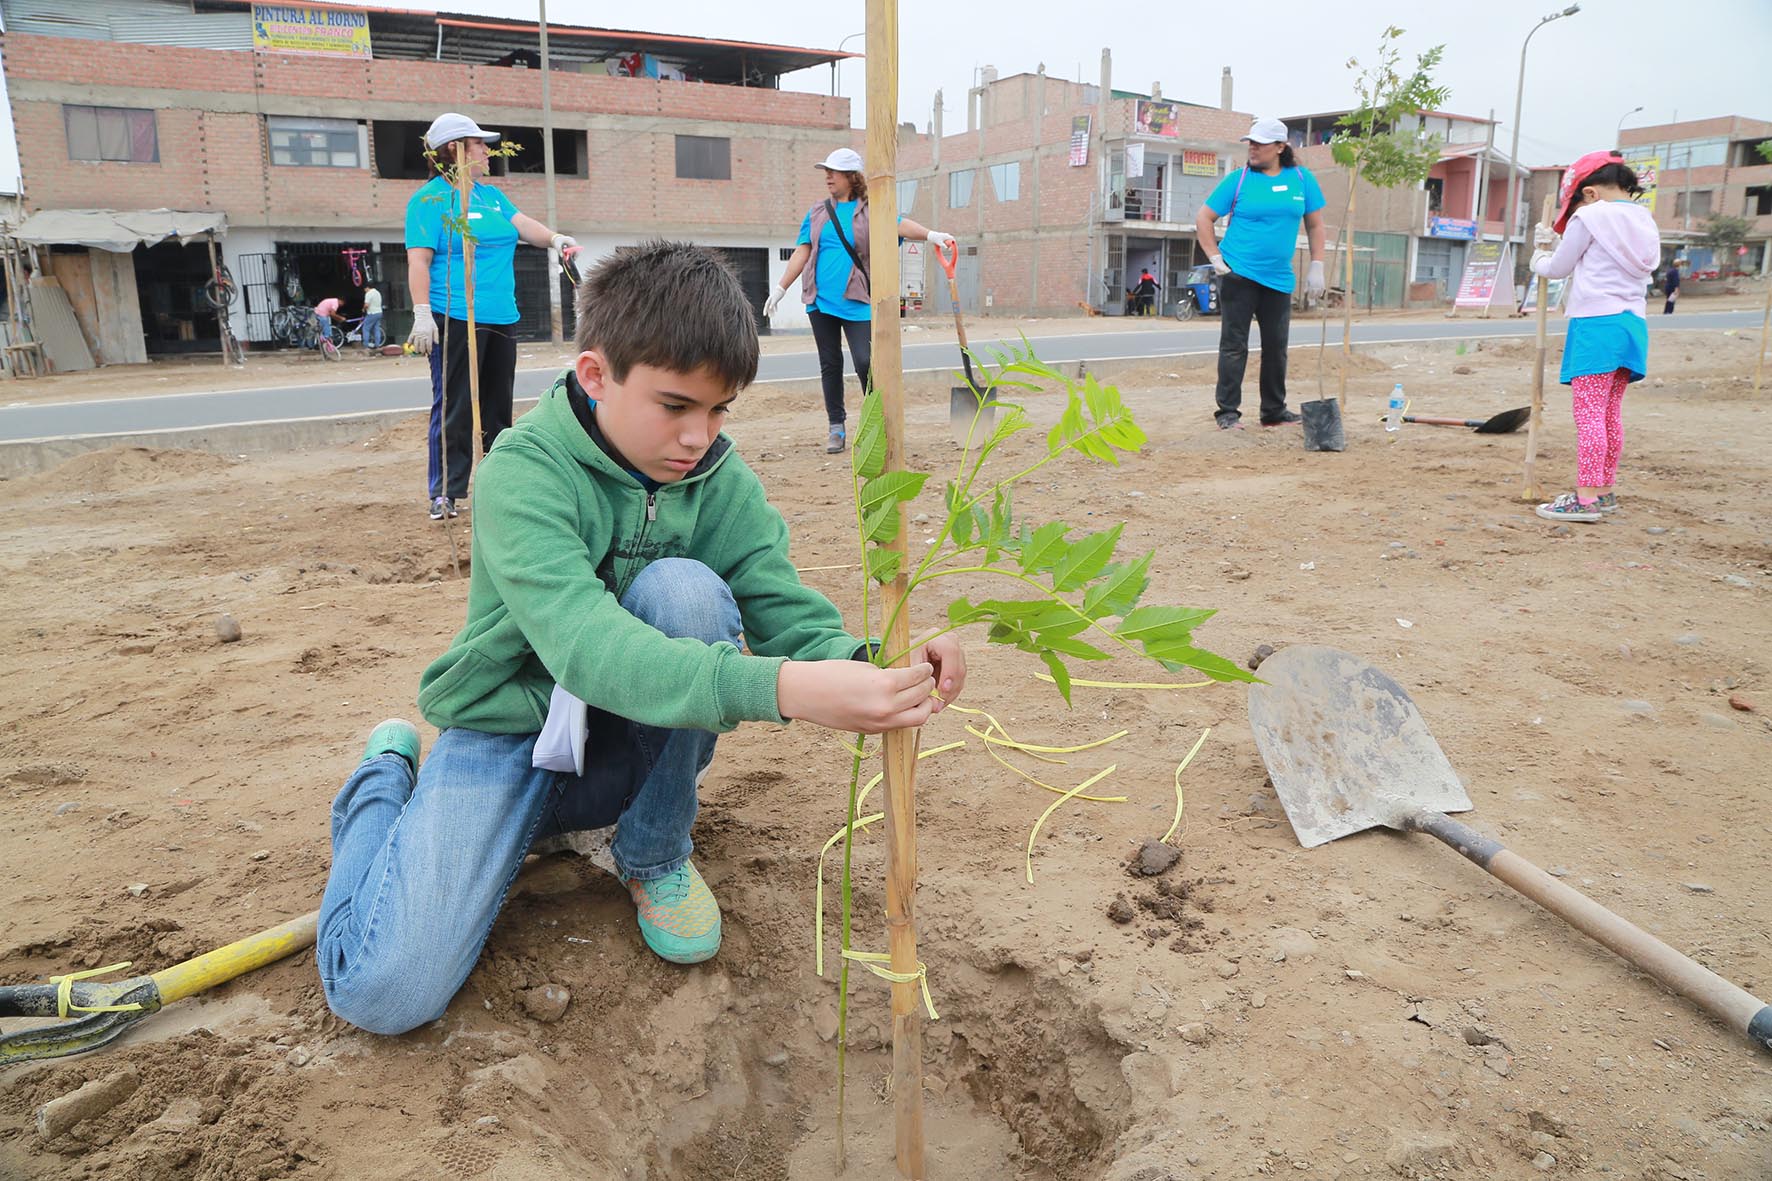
(236,959)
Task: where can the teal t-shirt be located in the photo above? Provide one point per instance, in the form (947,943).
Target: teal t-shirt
(835,266)
(1264,225)
(495,245)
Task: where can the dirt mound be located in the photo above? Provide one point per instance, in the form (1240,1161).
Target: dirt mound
(121,469)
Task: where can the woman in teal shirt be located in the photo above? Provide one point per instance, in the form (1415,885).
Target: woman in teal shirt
(834,237)
(1267,199)
(434,270)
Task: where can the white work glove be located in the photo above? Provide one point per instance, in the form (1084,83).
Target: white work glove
(774,298)
(1218,264)
(424,330)
(1540,258)
(566,244)
(1543,237)
(940,241)
(1313,278)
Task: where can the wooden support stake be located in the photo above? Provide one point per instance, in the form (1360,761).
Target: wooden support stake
(464,181)
(1531,490)
(1765,327)
(900,745)
(1347,289)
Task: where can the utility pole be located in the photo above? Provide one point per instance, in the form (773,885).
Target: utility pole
(555,319)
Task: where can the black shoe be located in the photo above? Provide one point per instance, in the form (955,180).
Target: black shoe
(1230,422)
(1287,418)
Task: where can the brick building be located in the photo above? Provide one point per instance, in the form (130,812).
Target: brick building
(1039,191)
(1706,167)
(190,104)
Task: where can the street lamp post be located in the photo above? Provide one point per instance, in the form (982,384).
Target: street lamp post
(1619,134)
(836,63)
(1513,155)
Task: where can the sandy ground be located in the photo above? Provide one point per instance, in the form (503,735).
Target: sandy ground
(1375,1007)
(281,367)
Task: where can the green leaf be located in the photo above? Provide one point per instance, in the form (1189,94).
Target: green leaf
(1069,647)
(1210,663)
(882,523)
(1044,547)
(1118,591)
(1157,622)
(884,564)
(1086,559)
(1061,676)
(868,458)
(896,487)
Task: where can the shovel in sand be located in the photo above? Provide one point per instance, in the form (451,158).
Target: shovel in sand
(1347,751)
(972,409)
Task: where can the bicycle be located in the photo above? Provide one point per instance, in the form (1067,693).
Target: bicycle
(352,256)
(299,325)
(222,293)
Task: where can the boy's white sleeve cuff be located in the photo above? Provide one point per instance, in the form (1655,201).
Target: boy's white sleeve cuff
(561,744)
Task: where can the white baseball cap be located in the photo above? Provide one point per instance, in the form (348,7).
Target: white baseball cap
(1266,131)
(842,160)
(449,127)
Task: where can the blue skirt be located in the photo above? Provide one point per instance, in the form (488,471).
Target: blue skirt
(1605,344)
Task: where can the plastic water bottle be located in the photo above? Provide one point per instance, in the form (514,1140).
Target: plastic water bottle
(1393,415)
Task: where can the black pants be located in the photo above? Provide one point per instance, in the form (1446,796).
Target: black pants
(828,332)
(1668,308)
(1239,301)
(497,348)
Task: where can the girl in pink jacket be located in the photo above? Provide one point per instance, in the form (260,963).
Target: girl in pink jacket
(1611,247)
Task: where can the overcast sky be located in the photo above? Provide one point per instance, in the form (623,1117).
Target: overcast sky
(1699,57)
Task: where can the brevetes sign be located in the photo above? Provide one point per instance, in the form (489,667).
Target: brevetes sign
(1199,163)
(299,28)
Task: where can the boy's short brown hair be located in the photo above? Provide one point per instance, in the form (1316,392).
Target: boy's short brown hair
(671,305)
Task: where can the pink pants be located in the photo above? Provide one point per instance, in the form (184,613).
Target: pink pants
(1599,426)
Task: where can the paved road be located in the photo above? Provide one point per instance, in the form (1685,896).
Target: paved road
(328,400)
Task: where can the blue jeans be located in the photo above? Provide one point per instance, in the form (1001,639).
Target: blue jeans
(373,337)
(420,869)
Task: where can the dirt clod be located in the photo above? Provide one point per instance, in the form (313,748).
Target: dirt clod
(1154,858)
(227,629)
(1261,653)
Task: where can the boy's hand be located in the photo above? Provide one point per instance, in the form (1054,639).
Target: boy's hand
(853,695)
(948,659)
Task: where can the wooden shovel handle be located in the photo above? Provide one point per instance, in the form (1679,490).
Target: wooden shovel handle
(1443,421)
(1732,1005)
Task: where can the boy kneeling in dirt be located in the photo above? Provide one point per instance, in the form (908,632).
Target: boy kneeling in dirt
(622,553)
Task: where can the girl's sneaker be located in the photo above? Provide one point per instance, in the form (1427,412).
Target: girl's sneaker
(679,918)
(1567,508)
(1607,503)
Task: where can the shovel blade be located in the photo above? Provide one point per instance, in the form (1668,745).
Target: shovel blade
(1345,746)
(1507,422)
(963,404)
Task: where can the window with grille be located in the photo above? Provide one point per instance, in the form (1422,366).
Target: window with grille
(315,143)
(704,157)
(111,134)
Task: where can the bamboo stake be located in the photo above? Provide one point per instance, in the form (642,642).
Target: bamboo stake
(1347,287)
(464,181)
(1765,326)
(900,745)
(1531,490)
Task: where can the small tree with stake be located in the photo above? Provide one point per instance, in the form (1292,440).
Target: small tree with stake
(1375,146)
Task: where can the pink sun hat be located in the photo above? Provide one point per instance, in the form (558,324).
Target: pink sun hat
(1576,177)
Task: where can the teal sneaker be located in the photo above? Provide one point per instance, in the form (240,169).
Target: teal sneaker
(679,918)
(394,736)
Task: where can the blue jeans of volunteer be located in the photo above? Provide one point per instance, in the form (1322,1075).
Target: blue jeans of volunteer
(420,869)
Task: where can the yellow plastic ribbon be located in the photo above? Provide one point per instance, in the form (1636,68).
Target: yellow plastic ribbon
(1041,782)
(64,992)
(860,823)
(1176,823)
(1047,677)
(871,960)
(1089,782)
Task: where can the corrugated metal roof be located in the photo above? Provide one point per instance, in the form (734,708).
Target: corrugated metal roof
(145,22)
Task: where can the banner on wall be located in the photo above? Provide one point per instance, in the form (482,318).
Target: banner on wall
(1080,140)
(1199,163)
(298,28)
(1648,169)
(1134,161)
(1452,227)
(1158,118)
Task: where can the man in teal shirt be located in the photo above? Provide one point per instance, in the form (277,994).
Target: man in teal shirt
(1266,201)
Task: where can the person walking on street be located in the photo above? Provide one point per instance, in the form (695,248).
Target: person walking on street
(1265,200)
(435,271)
(834,287)
(1672,287)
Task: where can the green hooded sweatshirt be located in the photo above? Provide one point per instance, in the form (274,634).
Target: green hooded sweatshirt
(561,532)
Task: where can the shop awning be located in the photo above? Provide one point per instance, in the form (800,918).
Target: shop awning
(117,230)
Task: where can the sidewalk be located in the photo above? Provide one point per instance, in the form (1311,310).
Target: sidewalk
(287,367)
